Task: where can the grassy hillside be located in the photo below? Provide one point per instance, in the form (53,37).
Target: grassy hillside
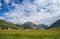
(30,34)
(5,24)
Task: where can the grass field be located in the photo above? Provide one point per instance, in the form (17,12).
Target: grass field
(29,34)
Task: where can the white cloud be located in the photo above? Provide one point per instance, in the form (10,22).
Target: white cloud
(1,17)
(0,4)
(19,15)
(6,1)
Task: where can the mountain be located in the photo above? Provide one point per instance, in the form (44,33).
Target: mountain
(55,25)
(5,24)
(25,26)
(42,26)
(29,25)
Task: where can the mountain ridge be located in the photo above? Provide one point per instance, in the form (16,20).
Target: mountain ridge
(29,25)
(55,25)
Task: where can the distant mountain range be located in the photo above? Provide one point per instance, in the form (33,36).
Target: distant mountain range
(29,25)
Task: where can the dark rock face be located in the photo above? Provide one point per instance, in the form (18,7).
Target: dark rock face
(55,25)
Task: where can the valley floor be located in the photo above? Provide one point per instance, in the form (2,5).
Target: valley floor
(29,34)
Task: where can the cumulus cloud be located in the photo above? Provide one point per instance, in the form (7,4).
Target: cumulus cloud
(2,18)
(40,11)
(6,1)
(0,4)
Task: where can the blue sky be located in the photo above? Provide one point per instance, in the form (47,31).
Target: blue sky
(36,11)
(7,7)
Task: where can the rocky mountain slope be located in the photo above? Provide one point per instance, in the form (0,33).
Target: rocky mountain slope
(55,25)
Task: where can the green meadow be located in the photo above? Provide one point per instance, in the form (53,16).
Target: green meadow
(29,34)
